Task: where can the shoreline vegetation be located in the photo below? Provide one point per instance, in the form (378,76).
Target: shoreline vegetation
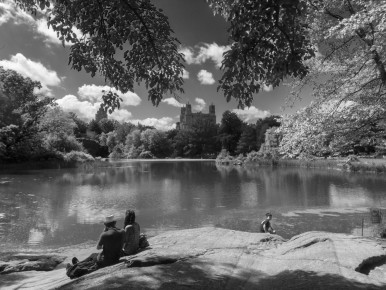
(73,159)
(350,164)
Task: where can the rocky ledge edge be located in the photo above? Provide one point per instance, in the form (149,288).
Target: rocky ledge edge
(216,258)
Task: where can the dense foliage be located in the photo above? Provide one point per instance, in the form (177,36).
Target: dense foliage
(31,126)
(125,41)
(270,41)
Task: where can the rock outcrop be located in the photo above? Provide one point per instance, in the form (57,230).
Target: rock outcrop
(214,258)
(30,262)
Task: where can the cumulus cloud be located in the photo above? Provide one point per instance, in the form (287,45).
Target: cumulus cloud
(121,115)
(201,53)
(86,110)
(251,114)
(34,70)
(172,102)
(205,77)
(200,104)
(50,36)
(164,123)
(10,12)
(94,93)
(188,54)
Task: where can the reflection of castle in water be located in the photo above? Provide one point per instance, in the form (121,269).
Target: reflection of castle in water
(187,118)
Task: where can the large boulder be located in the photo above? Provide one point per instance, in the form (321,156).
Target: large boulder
(214,258)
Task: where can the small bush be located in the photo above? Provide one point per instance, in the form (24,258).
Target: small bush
(146,155)
(224,157)
(77,156)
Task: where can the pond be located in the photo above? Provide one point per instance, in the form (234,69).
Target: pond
(62,207)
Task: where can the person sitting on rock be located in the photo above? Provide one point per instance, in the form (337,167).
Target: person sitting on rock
(265,225)
(131,243)
(111,242)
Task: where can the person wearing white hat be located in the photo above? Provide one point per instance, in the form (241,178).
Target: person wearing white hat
(110,242)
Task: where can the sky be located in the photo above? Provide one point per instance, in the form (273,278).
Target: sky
(32,49)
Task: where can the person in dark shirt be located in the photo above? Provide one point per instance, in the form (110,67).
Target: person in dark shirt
(110,242)
(265,225)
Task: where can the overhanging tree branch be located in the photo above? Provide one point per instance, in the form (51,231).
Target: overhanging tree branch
(150,37)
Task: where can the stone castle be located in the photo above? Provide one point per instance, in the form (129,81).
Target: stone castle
(187,118)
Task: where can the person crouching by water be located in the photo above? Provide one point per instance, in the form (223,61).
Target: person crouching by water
(265,226)
(132,229)
(110,242)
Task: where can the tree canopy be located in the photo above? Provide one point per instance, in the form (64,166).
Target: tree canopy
(131,41)
(126,41)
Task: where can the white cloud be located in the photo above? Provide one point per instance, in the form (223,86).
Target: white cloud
(164,123)
(251,114)
(49,34)
(201,53)
(213,52)
(86,110)
(34,70)
(188,54)
(94,93)
(121,115)
(200,104)
(205,77)
(10,12)
(172,102)
(185,74)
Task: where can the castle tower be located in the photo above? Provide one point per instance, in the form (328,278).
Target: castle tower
(188,108)
(212,109)
(182,115)
(189,116)
(101,114)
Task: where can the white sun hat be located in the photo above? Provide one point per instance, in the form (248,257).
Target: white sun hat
(109,219)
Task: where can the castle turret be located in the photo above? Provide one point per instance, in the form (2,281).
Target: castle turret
(212,109)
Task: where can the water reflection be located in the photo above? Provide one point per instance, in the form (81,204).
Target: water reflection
(59,207)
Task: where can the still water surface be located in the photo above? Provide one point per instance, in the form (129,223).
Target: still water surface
(62,207)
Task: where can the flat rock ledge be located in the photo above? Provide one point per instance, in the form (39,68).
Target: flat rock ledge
(215,258)
(29,262)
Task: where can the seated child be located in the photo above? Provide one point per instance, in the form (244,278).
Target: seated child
(265,226)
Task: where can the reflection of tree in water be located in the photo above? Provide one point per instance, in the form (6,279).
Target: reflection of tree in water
(170,194)
(302,186)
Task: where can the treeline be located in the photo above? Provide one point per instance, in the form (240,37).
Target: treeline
(202,140)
